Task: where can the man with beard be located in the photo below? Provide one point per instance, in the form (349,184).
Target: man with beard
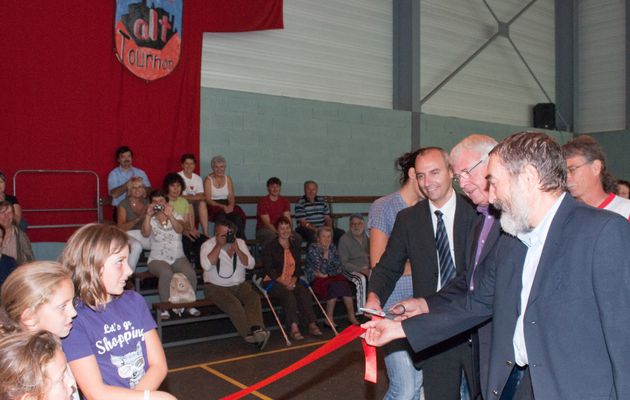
(119,176)
(557,288)
(432,235)
(588,178)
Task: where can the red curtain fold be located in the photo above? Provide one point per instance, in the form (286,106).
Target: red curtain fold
(67,103)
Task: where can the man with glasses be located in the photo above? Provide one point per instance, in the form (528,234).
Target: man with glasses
(432,234)
(469,160)
(588,179)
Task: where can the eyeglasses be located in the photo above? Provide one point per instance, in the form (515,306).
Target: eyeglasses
(571,170)
(465,174)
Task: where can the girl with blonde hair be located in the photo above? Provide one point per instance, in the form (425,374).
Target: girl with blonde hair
(33,367)
(38,297)
(113,350)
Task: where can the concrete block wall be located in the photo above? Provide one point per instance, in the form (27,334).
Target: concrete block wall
(347,149)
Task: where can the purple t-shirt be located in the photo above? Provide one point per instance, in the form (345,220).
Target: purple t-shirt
(115,336)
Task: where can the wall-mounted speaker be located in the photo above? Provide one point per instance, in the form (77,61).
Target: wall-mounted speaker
(545,116)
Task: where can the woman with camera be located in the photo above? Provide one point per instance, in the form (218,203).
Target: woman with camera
(192,240)
(219,191)
(131,212)
(165,227)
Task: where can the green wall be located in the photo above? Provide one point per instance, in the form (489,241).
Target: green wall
(347,149)
(617,148)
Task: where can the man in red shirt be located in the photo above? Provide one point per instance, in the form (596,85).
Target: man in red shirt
(269,209)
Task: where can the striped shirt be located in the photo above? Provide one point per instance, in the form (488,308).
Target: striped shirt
(314,211)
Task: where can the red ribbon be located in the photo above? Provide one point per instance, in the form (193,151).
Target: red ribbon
(345,337)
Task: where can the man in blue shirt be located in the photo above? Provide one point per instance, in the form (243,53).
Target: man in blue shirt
(119,176)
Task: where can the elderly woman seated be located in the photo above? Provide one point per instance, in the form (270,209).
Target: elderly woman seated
(323,270)
(14,243)
(282,263)
(131,213)
(220,197)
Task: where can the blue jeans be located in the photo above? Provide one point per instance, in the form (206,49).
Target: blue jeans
(405,381)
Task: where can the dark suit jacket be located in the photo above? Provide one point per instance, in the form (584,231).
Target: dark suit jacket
(413,238)
(482,334)
(577,322)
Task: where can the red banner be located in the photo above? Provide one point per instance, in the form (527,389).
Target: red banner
(68,103)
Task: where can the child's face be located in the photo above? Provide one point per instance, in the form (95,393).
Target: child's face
(55,315)
(59,384)
(116,271)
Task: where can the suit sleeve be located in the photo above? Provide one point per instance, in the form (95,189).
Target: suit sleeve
(455,312)
(392,263)
(611,280)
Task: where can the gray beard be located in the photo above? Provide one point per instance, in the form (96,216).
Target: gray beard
(514,219)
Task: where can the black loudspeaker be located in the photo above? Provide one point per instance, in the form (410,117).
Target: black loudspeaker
(545,116)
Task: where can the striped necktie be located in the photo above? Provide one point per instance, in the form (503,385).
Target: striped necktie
(447,267)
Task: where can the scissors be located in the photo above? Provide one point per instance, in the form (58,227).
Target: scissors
(396,311)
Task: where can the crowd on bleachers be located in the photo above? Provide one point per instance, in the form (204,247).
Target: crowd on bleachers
(172,222)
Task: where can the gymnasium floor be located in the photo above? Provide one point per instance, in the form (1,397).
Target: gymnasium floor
(215,369)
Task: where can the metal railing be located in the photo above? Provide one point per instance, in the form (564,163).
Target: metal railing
(98,209)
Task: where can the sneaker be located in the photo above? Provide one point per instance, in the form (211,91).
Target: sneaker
(178,311)
(164,315)
(262,337)
(251,339)
(194,312)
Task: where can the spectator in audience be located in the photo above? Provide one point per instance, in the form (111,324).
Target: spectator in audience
(405,381)
(354,250)
(131,212)
(219,191)
(623,189)
(588,178)
(193,191)
(17,209)
(269,210)
(283,264)
(33,366)
(165,226)
(224,259)
(15,242)
(119,176)
(313,212)
(191,238)
(323,271)
(7,263)
(113,349)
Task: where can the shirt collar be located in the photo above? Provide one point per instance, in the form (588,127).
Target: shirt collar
(448,208)
(539,234)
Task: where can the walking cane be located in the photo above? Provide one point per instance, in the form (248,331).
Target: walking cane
(310,289)
(258,283)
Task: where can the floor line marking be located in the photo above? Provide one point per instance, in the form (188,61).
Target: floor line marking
(234,382)
(232,359)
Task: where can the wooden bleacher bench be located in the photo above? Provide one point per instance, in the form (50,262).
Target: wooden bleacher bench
(209,312)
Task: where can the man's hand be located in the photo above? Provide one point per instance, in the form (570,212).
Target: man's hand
(411,307)
(373,302)
(381,332)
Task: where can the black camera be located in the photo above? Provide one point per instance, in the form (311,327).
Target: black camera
(158,207)
(229,237)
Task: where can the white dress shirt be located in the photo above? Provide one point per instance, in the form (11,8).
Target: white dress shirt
(227,275)
(535,242)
